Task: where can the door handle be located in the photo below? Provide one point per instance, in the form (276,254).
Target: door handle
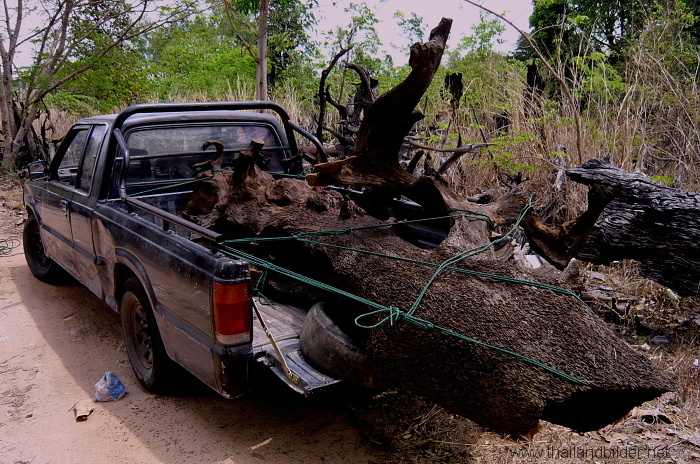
(64,205)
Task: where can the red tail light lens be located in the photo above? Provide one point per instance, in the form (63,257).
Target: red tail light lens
(233,318)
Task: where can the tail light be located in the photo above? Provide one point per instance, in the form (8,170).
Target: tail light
(233,318)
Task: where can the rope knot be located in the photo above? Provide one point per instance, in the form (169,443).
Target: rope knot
(395,315)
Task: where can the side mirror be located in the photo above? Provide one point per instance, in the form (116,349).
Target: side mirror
(38,170)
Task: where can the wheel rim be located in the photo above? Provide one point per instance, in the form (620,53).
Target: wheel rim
(38,254)
(142,336)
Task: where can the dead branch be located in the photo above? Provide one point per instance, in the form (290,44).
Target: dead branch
(322,90)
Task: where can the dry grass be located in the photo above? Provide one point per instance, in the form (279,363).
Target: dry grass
(419,432)
(649,126)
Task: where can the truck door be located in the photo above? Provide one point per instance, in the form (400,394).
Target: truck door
(56,200)
(82,212)
(68,206)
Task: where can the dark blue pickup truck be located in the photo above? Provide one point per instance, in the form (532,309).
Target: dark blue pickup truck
(108,211)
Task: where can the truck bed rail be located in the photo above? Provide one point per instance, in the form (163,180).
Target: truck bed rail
(169,218)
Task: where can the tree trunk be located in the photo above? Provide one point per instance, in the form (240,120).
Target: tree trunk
(412,347)
(629,216)
(647,221)
(261,70)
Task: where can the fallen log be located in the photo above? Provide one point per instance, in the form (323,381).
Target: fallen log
(629,217)
(476,338)
(647,221)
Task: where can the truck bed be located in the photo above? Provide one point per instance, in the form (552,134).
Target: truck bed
(284,323)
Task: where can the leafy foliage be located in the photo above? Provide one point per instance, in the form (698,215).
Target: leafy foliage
(287,30)
(122,77)
(199,54)
(631,68)
(73,38)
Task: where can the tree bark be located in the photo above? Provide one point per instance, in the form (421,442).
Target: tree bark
(55,50)
(494,388)
(261,68)
(629,216)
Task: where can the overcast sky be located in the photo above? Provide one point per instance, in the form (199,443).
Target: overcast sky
(331,14)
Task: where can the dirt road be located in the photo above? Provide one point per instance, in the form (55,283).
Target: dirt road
(57,341)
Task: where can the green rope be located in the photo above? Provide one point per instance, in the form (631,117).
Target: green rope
(394,314)
(530,283)
(284,174)
(344,230)
(302,238)
(462,256)
(7,245)
(294,275)
(397,315)
(257,290)
(192,181)
(169,186)
(476,214)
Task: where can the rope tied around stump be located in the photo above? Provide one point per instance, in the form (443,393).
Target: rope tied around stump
(393,314)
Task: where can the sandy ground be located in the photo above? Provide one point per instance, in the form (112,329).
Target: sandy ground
(57,341)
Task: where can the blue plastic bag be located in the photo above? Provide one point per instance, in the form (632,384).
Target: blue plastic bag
(109,388)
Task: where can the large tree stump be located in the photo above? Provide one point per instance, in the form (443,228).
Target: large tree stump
(495,389)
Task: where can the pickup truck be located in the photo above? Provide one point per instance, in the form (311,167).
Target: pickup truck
(107,210)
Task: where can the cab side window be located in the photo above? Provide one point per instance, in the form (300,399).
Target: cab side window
(76,166)
(88,168)
(67,171)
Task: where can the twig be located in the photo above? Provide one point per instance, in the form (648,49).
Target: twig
(322,90)
(471,148)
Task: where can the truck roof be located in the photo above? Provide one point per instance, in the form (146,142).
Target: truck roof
(232,111)
(182,116)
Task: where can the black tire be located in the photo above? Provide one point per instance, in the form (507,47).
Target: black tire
(43,267)
(330,350)
(149,360)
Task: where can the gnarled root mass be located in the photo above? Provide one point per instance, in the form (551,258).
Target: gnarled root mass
(495,389)
(598,379)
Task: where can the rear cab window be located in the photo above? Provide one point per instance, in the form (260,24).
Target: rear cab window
(175,151)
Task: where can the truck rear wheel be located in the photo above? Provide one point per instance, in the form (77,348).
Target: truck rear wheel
(43,267)
(149,360)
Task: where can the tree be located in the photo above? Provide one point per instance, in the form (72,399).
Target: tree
(73,37)
(552,31)
(413,27)
(566,28)
(199,55)
(362,35)
(274,31)
(122,77)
